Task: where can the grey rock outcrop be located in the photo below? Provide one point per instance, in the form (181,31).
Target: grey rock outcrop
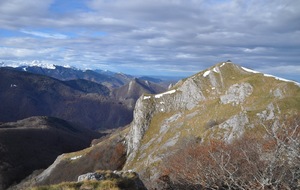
(234,127)
(237,93)
(269,113)
(191,94)
(124,179)
(186,96)
(142,114)
(278,93)
(91,176)
(224,102)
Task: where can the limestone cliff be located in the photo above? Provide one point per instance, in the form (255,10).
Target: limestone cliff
(224,102)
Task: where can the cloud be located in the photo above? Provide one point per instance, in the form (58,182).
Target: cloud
(24,8)
(153,36)
(17,13)
(45,35)
(285,71)
(26,53)
(281,69)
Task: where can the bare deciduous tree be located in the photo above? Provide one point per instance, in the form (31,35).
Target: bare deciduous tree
(268,162)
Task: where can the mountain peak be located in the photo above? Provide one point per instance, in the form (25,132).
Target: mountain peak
(223,102)
(221,67)
(231,72)
(34,63)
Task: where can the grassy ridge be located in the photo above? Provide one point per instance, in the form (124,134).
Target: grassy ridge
(271,101)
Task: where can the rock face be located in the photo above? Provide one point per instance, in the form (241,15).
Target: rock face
(103,180)
(104,175)
(232,128)
(237,93)
(91,176)
(223,102)
(142,114)
(186,96)
(191,94)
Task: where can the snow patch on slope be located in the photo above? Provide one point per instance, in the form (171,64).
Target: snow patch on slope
(282,79)
(146,97)
(268,75)
(75,157)
(162,94)
(250,70)
(216,70)
(206,73)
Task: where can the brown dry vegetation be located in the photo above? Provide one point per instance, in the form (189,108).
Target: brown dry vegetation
(272,162)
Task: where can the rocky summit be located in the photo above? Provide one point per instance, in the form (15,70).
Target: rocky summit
(224,102)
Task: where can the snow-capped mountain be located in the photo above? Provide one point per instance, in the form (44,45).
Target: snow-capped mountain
(107,78)
(34,63)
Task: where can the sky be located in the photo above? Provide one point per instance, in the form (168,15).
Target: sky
(153,37)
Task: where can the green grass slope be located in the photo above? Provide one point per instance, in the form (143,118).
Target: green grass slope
(235,102)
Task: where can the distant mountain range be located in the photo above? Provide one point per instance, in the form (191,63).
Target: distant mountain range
(88,104)
(130,92)
(64,92)
(107,78)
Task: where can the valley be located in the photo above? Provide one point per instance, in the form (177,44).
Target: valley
(32,102)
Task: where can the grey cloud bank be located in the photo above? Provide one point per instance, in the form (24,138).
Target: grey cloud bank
(153,37)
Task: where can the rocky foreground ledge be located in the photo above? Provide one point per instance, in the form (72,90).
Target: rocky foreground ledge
(108,175)
(116,180)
